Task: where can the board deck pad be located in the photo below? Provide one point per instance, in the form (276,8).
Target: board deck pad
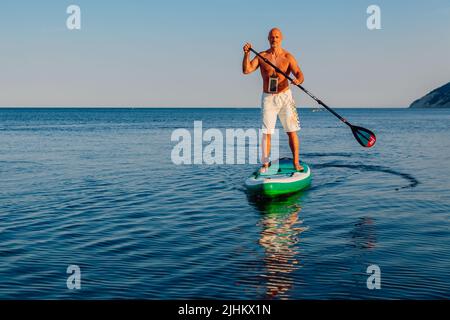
(280,167)
(279,179)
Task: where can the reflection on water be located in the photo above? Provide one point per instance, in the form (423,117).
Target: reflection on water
(280,231)
(363,234)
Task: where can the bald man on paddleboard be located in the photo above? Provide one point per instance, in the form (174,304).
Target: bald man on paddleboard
(277,100)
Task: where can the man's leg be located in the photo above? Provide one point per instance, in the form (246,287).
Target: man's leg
(269,120)
(265,146)
(294,144)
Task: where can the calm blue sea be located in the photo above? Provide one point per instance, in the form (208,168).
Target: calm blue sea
(96,188)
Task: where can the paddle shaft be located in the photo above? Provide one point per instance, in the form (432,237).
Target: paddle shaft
(301,87)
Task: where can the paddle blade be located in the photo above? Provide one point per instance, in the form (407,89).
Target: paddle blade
(365,137)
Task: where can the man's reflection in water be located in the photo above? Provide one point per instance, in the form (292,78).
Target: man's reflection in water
(363,235)
(280,232)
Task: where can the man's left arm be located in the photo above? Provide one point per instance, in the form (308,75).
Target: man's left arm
(295,69)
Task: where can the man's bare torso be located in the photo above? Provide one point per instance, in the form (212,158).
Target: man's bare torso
(282,61)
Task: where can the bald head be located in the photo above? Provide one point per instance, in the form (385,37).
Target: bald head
(275,30)
(275,37)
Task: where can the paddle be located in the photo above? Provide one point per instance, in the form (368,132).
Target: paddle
(364,136)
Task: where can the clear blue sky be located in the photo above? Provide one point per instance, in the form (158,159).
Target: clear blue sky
(189,53)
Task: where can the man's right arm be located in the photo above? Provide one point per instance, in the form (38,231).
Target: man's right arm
(247,65)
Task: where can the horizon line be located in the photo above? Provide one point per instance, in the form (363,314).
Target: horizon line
(190,107)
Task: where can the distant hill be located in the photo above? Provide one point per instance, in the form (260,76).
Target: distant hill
(438,98)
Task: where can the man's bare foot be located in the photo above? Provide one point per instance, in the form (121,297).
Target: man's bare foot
(264,168)
(298,167)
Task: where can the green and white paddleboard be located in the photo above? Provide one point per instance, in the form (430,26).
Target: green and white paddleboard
(280,178)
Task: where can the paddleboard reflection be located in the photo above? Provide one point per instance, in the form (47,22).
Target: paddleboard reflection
(281,227)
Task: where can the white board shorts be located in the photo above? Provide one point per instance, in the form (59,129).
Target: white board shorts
(282,105)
